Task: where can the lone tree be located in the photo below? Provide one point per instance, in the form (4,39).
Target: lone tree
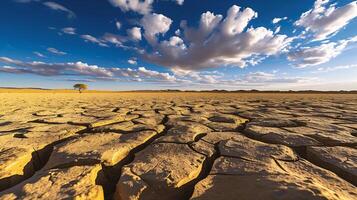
(80,87)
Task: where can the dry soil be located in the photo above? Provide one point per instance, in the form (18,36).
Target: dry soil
(178,146)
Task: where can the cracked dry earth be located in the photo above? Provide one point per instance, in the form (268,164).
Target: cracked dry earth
(178,146)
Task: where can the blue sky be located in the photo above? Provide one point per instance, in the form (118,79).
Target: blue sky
(179,44)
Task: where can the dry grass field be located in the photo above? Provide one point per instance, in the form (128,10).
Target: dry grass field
(157,145)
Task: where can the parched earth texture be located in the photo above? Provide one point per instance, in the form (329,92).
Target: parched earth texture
(178,146)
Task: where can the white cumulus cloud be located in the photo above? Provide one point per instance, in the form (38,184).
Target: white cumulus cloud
(216,42)
(134,33)
(278,19)
(311,56)
(325,21)
(139,6)
(153,25)
(132,61)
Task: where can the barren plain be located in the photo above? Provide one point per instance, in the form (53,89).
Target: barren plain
(178,146)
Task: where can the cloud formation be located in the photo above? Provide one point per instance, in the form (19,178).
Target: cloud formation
(69,30)
(59,7)
(78,71)
(92,39)
(311,56)
(56,51)
(82,69)
(180,2)
(142,71)
(134,33)
(264,78)
(118,25)
(325,21)
(155,24)
(216,42)
(203,77)
(114,39)
(278,19)
(259,80)
(132,61)
(39,54)
(335,68)
(139,6)
(53,69)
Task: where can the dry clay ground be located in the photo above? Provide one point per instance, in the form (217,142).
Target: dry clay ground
(178,146)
